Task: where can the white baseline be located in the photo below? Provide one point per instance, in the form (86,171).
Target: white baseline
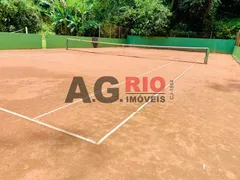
(49,126)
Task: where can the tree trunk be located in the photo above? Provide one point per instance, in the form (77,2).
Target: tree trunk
(208,17)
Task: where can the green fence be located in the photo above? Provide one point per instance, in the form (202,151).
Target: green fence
(215,45)
(34,41)
(55,41)
(236,53)
(20,41)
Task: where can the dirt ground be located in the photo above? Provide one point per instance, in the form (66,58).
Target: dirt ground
(194,136)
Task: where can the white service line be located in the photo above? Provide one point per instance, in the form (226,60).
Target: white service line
(91,95)
(140,108)
(49,126)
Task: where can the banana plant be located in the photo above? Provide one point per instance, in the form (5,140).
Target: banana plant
(73,23)
(70,16)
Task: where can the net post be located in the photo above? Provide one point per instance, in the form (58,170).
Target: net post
(206,57)
(67,44)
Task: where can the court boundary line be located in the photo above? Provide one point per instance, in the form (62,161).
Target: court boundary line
(140,108)
(91,95)
(34,120)
(49,126)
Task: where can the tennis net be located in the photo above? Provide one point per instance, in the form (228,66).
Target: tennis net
(169,53)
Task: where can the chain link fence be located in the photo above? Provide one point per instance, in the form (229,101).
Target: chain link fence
(108,31)
(191,34)
(114,31)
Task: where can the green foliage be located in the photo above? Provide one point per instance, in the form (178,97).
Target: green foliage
(146,18)
(47,29)
(227,29)
(70,17)
(18,14)
(198,14)
(182,18)
(229,9)
(107,11)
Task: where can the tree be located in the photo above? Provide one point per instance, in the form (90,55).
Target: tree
(70,17)
(107,11)
(18,14)
(146,17)
(227,29)
(229,9)
(199,15)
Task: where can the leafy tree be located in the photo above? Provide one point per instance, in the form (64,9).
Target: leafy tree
(107,11)
(188,18)
(229,9)
(199,15)
(70,17)
(146,17)
(18,14)
(227,29)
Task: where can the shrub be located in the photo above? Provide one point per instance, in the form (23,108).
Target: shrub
(146,18)
(17,14)
(227,29)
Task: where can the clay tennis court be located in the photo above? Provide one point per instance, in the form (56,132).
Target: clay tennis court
(196,135)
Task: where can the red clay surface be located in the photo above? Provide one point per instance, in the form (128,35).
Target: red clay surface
(194,136)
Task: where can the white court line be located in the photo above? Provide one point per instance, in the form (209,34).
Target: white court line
(91,95)
(62,130)
(141,107)
(49,126)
